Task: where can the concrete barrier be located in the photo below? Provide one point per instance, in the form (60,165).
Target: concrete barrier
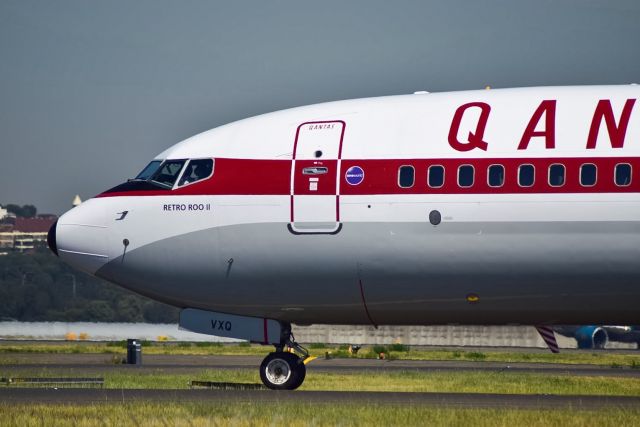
(481,336)
(493,336)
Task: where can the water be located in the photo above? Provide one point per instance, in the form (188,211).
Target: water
(101,331)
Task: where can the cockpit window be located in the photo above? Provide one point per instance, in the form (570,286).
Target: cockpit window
(148,170)
(196,170)
(168,172)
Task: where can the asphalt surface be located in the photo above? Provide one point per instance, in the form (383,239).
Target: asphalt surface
(96,363)
(16,365)
(460,400)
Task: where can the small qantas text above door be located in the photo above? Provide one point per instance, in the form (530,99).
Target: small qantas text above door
(315,194)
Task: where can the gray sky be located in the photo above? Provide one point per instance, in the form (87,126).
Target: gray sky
(90,91)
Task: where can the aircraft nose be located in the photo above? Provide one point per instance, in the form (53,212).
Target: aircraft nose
(80,237)
(51,238)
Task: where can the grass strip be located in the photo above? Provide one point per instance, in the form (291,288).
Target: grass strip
(301,414)
(397,381)
(397,351)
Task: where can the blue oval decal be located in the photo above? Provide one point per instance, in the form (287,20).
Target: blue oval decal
(354,175)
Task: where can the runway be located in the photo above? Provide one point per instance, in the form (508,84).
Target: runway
(462,400)
(92,363)
(99,364)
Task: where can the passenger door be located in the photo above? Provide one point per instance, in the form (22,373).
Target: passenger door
(315,196)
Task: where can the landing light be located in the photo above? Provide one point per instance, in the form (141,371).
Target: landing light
(473,298)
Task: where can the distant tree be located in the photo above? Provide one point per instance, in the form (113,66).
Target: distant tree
(40,305)
(155,312)
(29,211)
(26,211)
(100,311)
(14,209)
(38,287)
(129,309)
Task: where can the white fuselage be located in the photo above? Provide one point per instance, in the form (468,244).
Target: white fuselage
(484,207)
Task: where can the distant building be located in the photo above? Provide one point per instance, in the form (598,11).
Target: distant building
(6,236)
(3,213)
(24,234)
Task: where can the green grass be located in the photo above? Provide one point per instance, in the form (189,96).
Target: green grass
(406,381)
(301,414)
(397,381)
(119,347)
(394,351)
(572,357)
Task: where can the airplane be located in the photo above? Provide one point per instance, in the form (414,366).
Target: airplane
(597,336)
(486,207)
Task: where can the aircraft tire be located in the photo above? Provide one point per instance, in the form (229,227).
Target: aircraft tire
(282,371)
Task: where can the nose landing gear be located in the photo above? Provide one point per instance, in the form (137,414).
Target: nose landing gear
(281,370)
(285,370)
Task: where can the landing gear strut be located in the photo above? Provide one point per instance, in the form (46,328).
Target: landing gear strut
(285,370)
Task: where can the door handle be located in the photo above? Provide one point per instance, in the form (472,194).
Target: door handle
(316,170)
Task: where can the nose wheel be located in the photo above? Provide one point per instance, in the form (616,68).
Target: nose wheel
(285,370)
(282,370)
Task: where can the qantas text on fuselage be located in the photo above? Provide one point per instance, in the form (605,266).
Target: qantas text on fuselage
(479,207)
(546,112)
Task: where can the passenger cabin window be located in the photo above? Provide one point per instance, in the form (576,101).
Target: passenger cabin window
(436,176)
(495,176)
(526,175)
(588,175)
(556,175)
(168,172)
(465,176)
(406,175)
(623,174)
(196,170)
(148,170)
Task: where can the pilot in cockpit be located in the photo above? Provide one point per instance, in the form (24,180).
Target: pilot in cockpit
(196,170)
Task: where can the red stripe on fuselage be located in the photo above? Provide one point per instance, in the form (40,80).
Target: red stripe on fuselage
(381,176)
(273,177)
